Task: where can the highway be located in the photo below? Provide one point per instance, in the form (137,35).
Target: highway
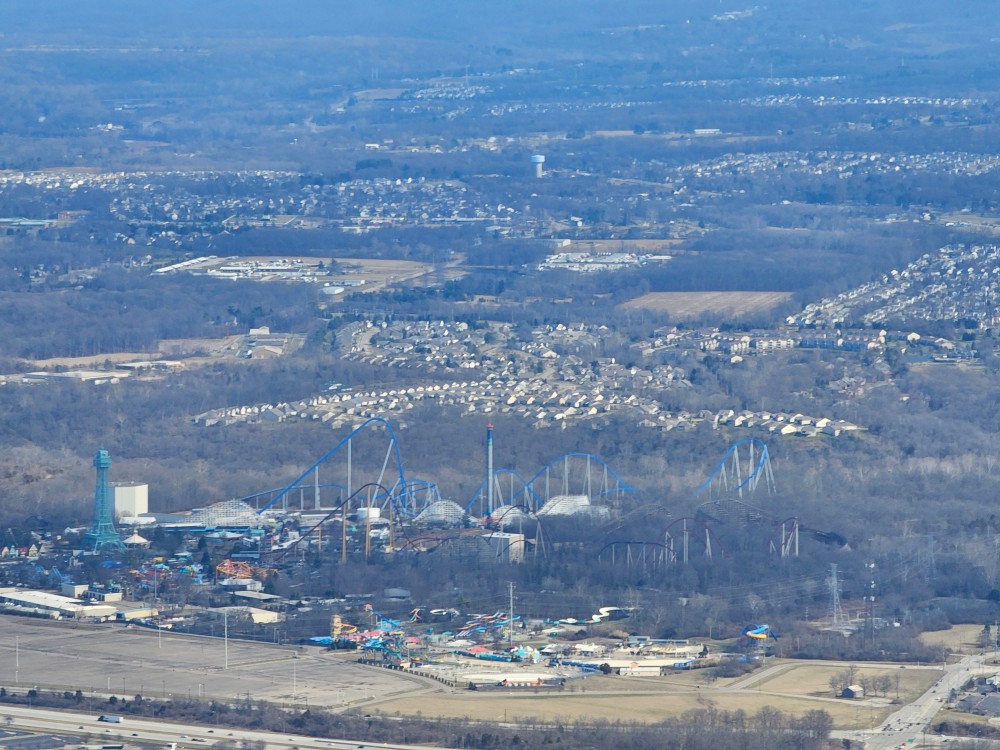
(909,722)
(912,720)
(53,721)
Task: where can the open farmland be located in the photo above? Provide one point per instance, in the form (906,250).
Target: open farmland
(693,304)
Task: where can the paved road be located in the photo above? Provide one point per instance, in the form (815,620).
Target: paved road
(51,721)
(912,720)
(756,679)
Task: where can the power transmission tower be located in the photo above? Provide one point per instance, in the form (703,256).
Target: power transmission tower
(869,636)
(836,611)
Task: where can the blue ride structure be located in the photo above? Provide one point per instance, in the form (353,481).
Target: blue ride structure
(744,466)
(389,486)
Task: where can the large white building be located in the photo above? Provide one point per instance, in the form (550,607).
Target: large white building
(131,498)
(28,600)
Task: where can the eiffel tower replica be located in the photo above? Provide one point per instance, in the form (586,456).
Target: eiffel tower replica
(102,536)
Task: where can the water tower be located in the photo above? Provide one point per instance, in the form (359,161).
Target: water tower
(102,535)
(539,161)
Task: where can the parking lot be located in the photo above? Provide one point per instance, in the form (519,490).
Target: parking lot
(111,659)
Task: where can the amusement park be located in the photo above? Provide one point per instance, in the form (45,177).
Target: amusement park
(476,592)
(358,587)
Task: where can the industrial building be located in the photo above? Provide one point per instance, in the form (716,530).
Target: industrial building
(56,606)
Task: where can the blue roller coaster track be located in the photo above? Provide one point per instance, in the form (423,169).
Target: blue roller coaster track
(741,469)
(407,496)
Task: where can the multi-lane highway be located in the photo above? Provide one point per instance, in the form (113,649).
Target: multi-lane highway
(912,721)
(87,727)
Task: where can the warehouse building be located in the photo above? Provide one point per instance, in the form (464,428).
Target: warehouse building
(55,605)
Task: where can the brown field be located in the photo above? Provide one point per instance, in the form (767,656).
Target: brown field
(615,134)
(182,348)
(370,95)
(793,687)
(613,705)
(625,246)
(381,271)
(691,304)
(957,638)
(814,680)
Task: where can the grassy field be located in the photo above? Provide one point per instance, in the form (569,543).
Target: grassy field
(692,304)
(814,680)
(959,638)
(620,704)
(792,687)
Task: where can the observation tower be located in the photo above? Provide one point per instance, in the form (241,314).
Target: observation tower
(102,536)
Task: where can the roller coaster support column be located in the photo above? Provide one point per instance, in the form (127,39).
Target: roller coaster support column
(392,536)
(510,625)
(343,532)
(368,530)
(489,470)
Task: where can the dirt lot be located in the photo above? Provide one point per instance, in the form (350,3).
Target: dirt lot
(692,304)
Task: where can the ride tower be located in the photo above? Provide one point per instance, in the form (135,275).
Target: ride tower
(102,536)
(489,471)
